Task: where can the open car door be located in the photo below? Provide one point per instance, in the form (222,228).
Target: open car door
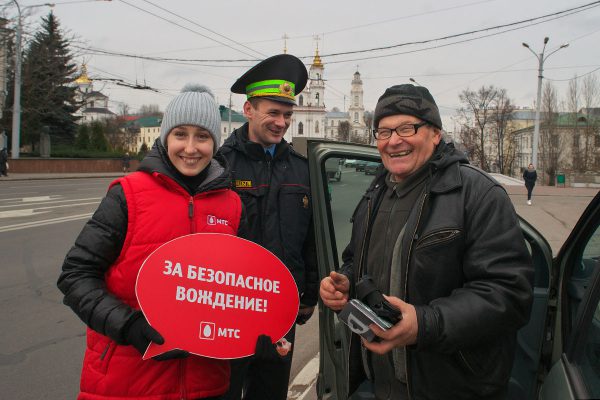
(333,205)
(574,330)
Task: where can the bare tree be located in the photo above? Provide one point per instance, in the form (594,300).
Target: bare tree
(477,112)
(150,110)
(572,106)
(344,131)
(368,117)
(590,93)
(550,144)
(124,109)
(503,111)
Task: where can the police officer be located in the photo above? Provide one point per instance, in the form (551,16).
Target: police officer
(272,181)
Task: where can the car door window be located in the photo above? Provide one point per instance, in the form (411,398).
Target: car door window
(344,195)
(584,299)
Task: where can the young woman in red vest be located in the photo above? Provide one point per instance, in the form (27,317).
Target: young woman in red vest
(177,186)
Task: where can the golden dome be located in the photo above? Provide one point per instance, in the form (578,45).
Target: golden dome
(317,60)
(83,78)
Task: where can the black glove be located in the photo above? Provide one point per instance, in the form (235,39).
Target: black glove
(139,334)
(265,350)
(304,314)
(171,355)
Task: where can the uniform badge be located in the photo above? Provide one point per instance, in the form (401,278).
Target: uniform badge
(242,184)
(305,201)
(285,88)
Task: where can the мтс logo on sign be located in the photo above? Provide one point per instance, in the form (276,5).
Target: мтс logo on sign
(207,330)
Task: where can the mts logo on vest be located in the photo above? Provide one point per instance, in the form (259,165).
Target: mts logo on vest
(212,220)
(208,331)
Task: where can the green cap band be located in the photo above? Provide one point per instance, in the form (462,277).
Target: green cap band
(271,87)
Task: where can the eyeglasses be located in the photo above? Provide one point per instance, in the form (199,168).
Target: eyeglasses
(404,130)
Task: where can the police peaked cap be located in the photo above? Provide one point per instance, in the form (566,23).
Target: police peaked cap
(278,78)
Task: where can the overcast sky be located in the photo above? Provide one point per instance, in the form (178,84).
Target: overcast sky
(250,30)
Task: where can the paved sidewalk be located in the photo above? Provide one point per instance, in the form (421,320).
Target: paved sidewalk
(67,175)
(554,210)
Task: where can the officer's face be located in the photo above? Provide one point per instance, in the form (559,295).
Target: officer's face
(267,121)
(190,149)
(402,156)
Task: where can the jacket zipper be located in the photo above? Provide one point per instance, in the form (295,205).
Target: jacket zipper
(410,246)
(364,243)
(266,200)
(463,358)
(182,378)
(451,233)
(191,213)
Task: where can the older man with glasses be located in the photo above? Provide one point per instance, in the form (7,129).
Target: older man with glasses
(441,240)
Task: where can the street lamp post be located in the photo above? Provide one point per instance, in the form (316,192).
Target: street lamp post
(16,117)
(536,129)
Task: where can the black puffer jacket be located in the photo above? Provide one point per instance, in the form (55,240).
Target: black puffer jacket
(100,242)
(276,195)
(467,272)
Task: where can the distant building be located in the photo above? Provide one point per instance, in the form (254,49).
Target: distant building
(145,130)
(308,119)
(574,137)
(94,104)
(356,111)
(237,120)
(311,117)
(333,119)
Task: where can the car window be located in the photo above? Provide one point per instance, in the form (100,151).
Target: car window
(344,196)
(585,278)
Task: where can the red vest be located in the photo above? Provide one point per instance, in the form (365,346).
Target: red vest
(159,210)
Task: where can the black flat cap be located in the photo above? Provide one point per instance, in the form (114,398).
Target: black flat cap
(410,100)
(278,78)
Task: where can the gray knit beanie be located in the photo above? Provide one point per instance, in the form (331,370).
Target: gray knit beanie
(409,100)
(195,105)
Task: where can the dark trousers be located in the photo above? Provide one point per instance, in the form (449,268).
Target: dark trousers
(255,380)
(529,191)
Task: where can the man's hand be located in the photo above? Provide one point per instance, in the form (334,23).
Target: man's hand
(404,333)
(335,290)
(304,314)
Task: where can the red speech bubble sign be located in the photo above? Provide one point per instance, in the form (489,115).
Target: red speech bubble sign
(214,294)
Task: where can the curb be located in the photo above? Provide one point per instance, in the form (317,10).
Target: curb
(38,177)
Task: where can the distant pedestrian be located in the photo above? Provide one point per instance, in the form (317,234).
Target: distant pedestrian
(126,162)
(4,162)
(530,176)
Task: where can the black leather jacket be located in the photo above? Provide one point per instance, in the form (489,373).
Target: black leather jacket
(466,271)
(276,195)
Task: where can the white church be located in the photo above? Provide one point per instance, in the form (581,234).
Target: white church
(311,117)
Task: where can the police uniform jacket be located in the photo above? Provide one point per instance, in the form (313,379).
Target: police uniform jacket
(467,272)
(276,195)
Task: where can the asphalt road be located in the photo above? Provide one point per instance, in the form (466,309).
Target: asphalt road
(42,341)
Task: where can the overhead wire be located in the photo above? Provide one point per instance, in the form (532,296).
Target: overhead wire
(203,27)
(417,42)
(529,22)
(185,27)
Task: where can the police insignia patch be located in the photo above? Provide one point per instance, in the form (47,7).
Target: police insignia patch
(242,184)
